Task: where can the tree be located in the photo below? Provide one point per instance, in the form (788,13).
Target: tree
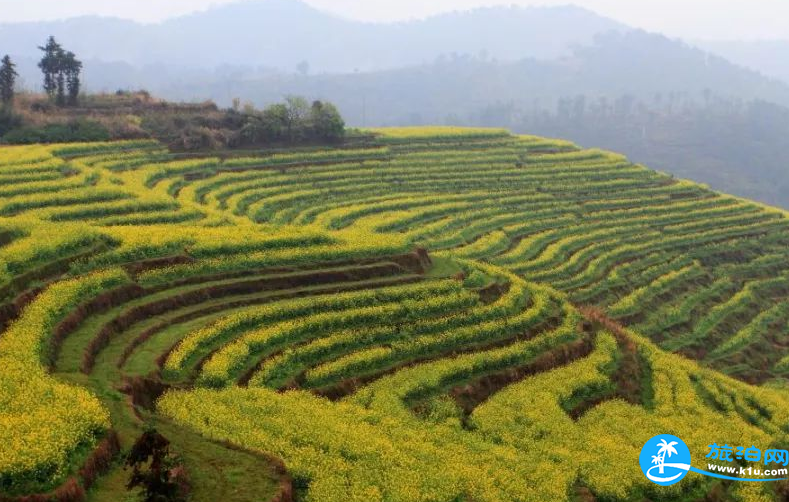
(72,68)
(8,76)
(49,65)
(61,70)
(269,125)
(297,111)
(158,482)
(326,121)
(60,77)
(293,121)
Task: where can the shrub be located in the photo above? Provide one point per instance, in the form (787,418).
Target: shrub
(160,481)
(8,120)
(76,131)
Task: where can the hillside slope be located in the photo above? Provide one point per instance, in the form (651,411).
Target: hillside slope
(436,314)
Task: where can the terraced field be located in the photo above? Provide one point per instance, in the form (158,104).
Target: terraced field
(431,314)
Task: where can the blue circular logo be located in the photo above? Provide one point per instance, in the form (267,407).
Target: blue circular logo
(665,459)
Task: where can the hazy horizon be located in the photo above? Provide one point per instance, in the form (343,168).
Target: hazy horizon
(679,18)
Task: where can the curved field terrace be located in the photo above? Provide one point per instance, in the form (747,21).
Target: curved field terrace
(432,314)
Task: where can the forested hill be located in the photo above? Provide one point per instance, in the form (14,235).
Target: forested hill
(452,88)
(280,34)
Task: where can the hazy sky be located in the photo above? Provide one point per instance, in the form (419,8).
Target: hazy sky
(752,19)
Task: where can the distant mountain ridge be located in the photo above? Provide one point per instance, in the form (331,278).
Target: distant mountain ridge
(279,34)
(765,56)
(635,63)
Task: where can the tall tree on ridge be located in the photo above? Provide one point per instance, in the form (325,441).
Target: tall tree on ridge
(49,65)
(61,70)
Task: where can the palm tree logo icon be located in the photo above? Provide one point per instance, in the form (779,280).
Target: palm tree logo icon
(665,459)
(666,448)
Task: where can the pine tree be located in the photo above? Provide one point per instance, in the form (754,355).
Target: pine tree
(8,76)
